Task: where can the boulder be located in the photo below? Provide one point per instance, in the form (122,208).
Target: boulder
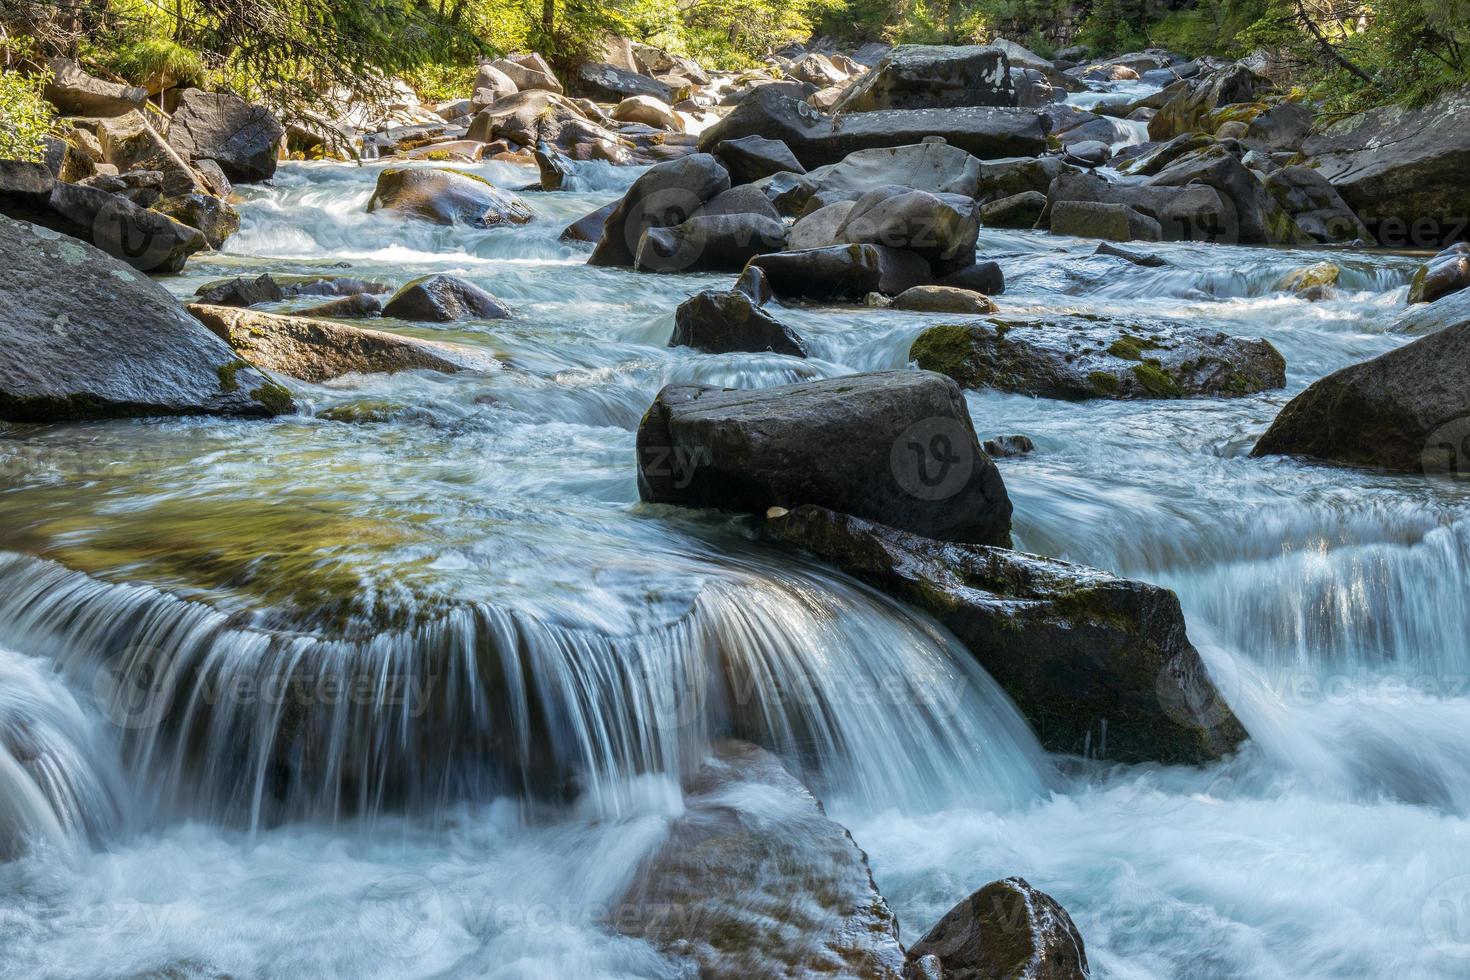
(825,443)
(1074,357)
(1017,175)
(752,157)
(1192,105)
(528,73)
(934,167)
(554,170)
(1098,665)
(215,292)
(1402,170)
(816,138)
(346,307)
(444,299)
(709,243)
(241,292)
(744,199)
(818,228)
(589,228)
(1006,930)
(608,83)
(447,197)
(148,240)
(941,228)
(1405,410)
(217,220)
(942,299)
(75,93)
(649,111)
(1017,211)
(1315,206)
(843,272)
(666,195)
(1280,128)
(653,62)
(725,322)
(241,138)
(1188,213)
(533,117)
(1259,220)
(490,86)
(1446,273)
(1087,153)
(815,912)
(817,69)
(1115,222)
(1319,275)
(982,277)
(108,342)
(916,76)
(1006,446)
(130,143)
(1423,318)
(319,350)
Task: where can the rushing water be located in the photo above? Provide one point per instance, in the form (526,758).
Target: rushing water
(514,662)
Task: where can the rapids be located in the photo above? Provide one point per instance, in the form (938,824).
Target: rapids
(516,661)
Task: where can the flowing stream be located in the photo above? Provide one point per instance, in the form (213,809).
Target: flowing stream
(514,661)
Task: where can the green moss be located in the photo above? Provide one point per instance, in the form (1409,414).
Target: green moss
(275,398)
(1155,380)
(945,348)
(1103,383)
(227,372)
(1131,348)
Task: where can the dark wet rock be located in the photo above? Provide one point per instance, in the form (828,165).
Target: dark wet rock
(66,161)
(934,167)
(1076,357)
(86,336)
(75,93)
(819,228)
(744,199)
(1007,930)
(589,228)
(1281,127)
(217,220)
(940,228)
(848,272)
(554,169)
(1007,178)
(1315,205)
(1189,213)
(1402,169)
(346,307)
(1128,255)
(1004,446)
(752,157)
(724,322)
(942,299)
(241,292)
(267,289)
(1087,153)
(1446,273)
(1258,218)
(1097,664)
(147,240)
(608,83)
(240,137)
(1017,211)
(868,444)
(1192,106)
(1116,222)
(709,243)
(666,195)
(917,76)
(318,350)
(753,283)
(982,277)
(1405,410)
(817,139)
(447,197)
(444,299)
(816,911)
(1159,156)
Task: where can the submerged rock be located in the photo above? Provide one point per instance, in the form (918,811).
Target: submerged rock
(1007,930)
(1099,665)
(894,446)
(723,322)
(805,903)
(1406,410)
(318,350)
(86,336)
(443,299)
(1074,357)
(447,197)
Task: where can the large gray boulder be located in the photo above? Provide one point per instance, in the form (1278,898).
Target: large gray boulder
(725,322)
(940,228)
(86,336)
(1316,206)
(814,909)
(917,76)
(892,446)
(1193,104)
(935,167)
(843,272)
(129,142)
(818,229)
(817,139)
(447,197)
(1113,222)
(1007,930)
(752,157)
(1406,410)
(1017,175)
(444,299)
(319,350)
(240,137)
(1402,170)
(1188,213)
(1259,220)
(666,195)
(529,73)
(709,243)
(75,93)
(490,86)
(1082,357)
(608,83)
(1099,665)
